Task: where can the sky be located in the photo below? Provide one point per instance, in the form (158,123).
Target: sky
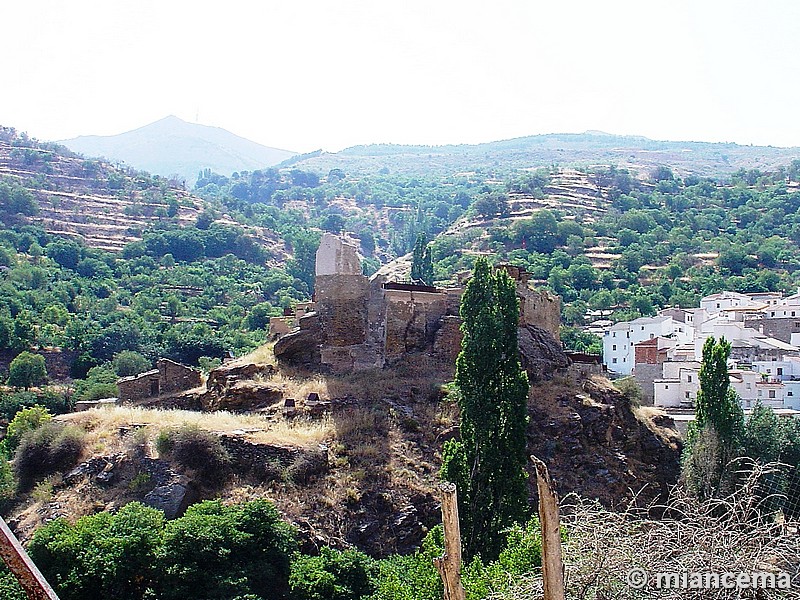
(327,74)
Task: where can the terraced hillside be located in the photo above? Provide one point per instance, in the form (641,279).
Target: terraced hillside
(104,205)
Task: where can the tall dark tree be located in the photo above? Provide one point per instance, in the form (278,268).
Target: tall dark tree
(715,436)
(488,463)
(421,261)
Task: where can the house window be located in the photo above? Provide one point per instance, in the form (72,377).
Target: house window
(652,335)
(687,395)
(792,313)
(613,347)
(759,393)
(613,334)
(797,324)
(642,327)
(790,393)
(748,386)
(772,314)
(666,387)
(614,361)
(771,393)
(689,379)
(717,304)
(780,370)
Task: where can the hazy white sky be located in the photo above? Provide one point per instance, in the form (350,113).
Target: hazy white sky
(308,74)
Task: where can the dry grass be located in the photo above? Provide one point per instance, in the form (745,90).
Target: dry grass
(299,387)
(104,423)
(260,356)
(731,535)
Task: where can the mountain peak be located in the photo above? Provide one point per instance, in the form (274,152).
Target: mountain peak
(172,146)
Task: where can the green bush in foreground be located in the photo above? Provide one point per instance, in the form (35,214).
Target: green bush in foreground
(333,575)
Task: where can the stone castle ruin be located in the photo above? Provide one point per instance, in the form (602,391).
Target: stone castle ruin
(360,323)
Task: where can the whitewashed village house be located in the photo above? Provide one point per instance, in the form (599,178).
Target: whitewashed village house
(663,352)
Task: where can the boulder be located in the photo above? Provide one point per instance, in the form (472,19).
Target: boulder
(244,395)
(225,375)
(541,354)
(171,498)
(300,347)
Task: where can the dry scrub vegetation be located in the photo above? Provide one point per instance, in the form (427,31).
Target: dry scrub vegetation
(732,535)
(103,424)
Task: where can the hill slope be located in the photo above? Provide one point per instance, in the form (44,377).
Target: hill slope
(564,149)
(172,146)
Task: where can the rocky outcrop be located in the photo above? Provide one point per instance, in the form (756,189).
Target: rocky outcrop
(597,444)
(541,354)
(233,387)
(244,395)
(301,346)
(226,375)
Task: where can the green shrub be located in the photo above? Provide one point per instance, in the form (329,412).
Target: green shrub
(48,449)
(27,370)
(103,555)
(8,484)
(12,403)
(628,387)
(412,577)
(128,363)
(100,382)
(9,587)
(217,551)
(196,449)
(24,421)
(333,575)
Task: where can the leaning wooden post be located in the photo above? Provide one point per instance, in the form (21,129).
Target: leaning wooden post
(449,564)
(23,568)
(552,563)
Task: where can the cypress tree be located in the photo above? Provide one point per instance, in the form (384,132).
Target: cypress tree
(715,436)
(488,463)
(421,261)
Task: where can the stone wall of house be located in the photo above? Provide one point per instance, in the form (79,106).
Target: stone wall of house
(781,328)
(168,377)
(139,387)
(175,377)
(645,374)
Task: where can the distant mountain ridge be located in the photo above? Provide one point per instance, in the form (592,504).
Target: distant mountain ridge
(563,149)
(172,146)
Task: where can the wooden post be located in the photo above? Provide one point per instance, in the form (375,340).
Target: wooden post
(21,565)
(449,564)
(552,563)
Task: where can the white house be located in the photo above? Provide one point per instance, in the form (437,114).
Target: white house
(681,382)
(729,300)
(619,340)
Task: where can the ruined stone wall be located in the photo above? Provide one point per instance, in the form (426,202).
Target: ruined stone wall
(334,257)
(539,308)
(341,302)
(412,320)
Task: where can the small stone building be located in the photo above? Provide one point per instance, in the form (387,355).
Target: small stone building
(169,377)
